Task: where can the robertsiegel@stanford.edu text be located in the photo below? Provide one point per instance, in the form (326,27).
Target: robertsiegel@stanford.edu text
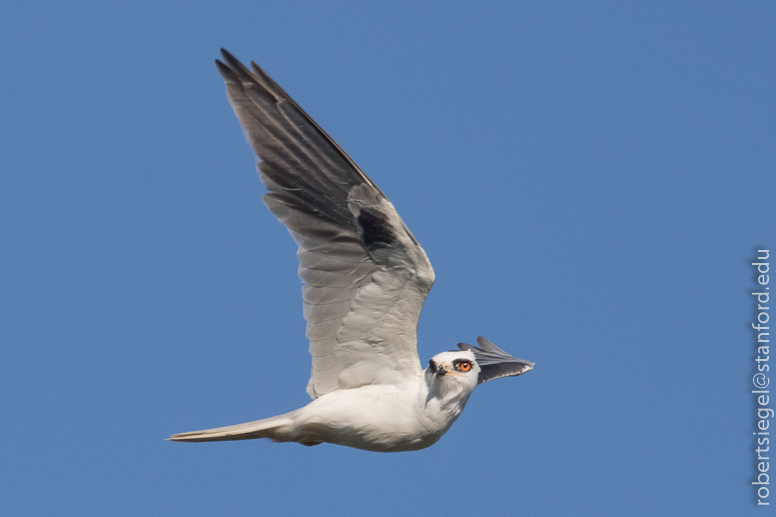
(761,379)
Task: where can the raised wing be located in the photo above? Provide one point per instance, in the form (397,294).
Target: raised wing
(494,362)
(365,276)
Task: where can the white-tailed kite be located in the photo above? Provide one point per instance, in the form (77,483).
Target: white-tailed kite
(365,279)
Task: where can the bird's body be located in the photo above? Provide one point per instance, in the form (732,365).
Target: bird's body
(365,280)
(408,416)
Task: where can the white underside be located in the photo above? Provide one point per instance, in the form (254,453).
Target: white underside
(382,418)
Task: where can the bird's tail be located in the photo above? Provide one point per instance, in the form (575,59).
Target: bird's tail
(277,428)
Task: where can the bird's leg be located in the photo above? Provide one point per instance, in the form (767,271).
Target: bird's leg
(308,440)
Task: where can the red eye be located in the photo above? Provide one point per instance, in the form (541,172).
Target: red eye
(465,366)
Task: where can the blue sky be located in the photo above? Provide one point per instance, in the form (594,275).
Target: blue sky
(590,181)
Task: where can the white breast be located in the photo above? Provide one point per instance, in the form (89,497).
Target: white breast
(382,418)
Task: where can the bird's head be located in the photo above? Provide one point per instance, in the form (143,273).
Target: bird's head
(454,368)
(474,365)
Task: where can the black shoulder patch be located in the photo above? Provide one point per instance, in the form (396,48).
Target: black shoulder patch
(376,232)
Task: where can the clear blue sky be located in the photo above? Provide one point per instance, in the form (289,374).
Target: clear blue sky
(590,181)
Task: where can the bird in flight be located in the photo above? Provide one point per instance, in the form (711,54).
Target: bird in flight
(365,278)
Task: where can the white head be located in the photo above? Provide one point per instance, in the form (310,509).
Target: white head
(461,371)
(455,371)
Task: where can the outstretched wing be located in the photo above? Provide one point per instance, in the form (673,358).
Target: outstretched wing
(494,362)
(365,276)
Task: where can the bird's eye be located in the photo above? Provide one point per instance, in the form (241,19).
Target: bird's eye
(432,366)
(464,366)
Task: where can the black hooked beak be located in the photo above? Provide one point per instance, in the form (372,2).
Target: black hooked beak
(440,371)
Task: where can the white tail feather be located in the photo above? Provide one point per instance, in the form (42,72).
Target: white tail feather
(275,428)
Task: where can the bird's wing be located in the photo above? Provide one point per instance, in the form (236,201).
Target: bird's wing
(494,362)
(365,276)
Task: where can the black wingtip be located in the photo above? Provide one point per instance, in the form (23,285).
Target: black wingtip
(495,362)
(225,71)
(235,66)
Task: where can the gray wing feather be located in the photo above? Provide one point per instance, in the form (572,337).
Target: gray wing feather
(495,363)
(365,277)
